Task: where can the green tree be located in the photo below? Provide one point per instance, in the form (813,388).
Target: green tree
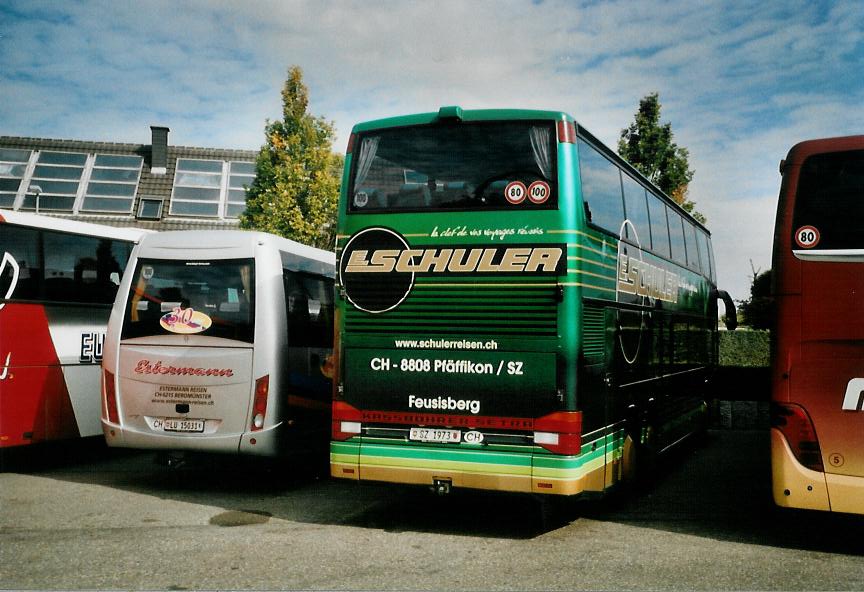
(648,145)
(296,187)
(758,311)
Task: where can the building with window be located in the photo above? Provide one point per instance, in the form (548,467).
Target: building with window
(154,186)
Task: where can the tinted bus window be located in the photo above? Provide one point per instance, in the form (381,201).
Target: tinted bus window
(831,198)
(309,303)
(637,211)
(23,245)
(659,227)
(459,166)
(705,254)
(601,188)
(82,268)
(162,289)
(692,249)
(676,235)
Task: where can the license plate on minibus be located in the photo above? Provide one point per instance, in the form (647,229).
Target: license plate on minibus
(182,425)
(435,435)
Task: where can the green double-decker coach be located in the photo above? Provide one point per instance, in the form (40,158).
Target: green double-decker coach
(518,309)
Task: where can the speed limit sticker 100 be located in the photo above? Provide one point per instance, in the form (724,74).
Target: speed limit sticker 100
(807,237)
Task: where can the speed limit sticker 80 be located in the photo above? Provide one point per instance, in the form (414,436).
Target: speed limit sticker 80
(807,237)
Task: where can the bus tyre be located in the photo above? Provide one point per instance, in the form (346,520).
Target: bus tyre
(645,460)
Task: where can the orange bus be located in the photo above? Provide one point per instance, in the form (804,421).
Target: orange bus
(817,435)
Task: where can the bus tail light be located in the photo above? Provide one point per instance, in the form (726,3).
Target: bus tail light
(259,406)
(110,390)
(559,432)
(566,132)
(346,421)
(352,139)
(797,427)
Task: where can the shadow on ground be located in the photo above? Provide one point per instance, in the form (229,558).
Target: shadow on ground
(718,490)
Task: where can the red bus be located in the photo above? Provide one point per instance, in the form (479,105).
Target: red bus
(58,279)
(817,435)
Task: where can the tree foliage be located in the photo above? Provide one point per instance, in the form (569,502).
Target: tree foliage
(296,188)
(758,311)
(648,145)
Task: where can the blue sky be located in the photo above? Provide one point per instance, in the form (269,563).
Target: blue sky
(741,82)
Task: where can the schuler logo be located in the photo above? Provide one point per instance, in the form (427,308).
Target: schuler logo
(377,267)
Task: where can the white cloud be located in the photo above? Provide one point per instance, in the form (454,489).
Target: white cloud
(740,82)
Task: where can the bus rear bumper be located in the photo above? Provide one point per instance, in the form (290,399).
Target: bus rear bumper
(265,442)
(512,472)
(794,485)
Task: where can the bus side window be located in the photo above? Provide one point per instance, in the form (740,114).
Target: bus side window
(705,254)
(692,249)
(659,227)
(309,308)
(22,244)
(78,268)
(637,212)
(676,234)
(601,188)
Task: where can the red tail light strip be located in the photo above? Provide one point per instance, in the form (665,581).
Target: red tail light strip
(110,397)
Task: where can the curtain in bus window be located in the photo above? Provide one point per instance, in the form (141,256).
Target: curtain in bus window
(542,152)
(463,166)
(831,198)
(368,148)
(601,188)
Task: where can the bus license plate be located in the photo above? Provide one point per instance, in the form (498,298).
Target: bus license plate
(434,435)
(183,425)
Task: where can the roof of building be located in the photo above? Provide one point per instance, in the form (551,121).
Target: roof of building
(150,183)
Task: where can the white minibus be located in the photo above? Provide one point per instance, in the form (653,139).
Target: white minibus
(220,341)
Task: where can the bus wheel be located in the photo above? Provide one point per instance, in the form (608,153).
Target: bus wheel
(640,460)
(552,511)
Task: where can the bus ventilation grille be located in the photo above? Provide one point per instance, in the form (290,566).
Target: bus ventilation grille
(594,332)
(489,308)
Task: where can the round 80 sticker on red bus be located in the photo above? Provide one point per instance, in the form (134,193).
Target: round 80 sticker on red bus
(538,192)
(807,237)
(515,192)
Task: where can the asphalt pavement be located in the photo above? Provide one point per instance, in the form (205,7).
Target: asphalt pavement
(87,517)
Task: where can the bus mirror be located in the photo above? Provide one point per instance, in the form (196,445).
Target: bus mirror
(731,313)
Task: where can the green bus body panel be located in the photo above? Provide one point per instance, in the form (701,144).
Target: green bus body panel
(467,115)
(526,461)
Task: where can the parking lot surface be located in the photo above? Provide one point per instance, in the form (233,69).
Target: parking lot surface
(86,517)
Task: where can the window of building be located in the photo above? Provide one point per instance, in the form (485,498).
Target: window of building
(13,166)
(58,177)
(197,188)
(242,174)
(150,208)
(113,184)
(210,188)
